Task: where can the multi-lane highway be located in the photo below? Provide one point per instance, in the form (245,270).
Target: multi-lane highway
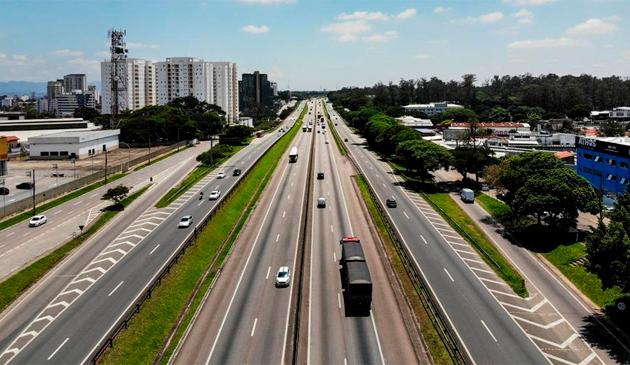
(486,331)
(66,317)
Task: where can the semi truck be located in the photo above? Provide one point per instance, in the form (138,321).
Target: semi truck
(293,155)
(355,276)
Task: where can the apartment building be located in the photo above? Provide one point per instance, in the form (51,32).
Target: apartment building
(225,89)
(136,86)
(183,76)
(432,108)
(74,82)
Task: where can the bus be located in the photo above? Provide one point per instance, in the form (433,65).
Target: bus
(293,155)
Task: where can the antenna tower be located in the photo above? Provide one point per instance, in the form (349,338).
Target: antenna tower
(118,49)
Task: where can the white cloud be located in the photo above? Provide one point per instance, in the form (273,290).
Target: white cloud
(441,9)
(491,17)
(423,56)
(141,45)
(376,37)
(525,21)
(255,29)
(547,43)
(593,26)
(406,14)
(347,30)
(524,16)
(266,2)
(103,54)
(363,15)
(19,57)
(2,56)
(528,2)
(348,37)
(66,53)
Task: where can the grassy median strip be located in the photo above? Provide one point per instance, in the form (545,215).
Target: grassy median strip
(449,209)
(194,177)
(561,257)
(161,158)
(53,203)
(438,352)
(144,338)
(15,285)
(340,145)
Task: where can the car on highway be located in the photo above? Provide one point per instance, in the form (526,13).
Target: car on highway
(221,175)
(485,187)
(214,195)
(326,141)
(236,172)
(4,191)
(283,277)
(58,174)
(24,186)
(345,139)
(320,176)
(37,221)
(391,203)
(321,202)
(185,222)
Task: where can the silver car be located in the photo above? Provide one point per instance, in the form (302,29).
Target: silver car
(283,277)
(37,221)
(214,195)
(185,222)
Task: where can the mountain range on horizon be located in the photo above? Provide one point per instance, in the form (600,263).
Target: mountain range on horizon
(28,87)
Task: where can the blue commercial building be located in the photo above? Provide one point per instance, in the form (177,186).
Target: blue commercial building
(604,162)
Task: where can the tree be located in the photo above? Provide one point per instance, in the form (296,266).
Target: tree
(499,115)
(612,128)
(212,155)
(608,253)
(237,134)
(87,113)
(116,194)
(460,115)
(468,159)
(580,111)
(423,157)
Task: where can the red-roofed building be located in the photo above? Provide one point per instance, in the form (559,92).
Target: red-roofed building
(566,156)
(12,141)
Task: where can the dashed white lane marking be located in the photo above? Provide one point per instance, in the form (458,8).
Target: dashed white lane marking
(284,213)
(488,329)
(331,228)
(58,348)
(334,257)
(10,234)
(57,212)
(289,197)
(405,213)
(77,203)
(384,185)
(153,250)
(449,275)
(93,195)
(201,202)
(277,237)
(424,240)
(339,303)
(254,328)
(117,286)
(26,234)
(268,271)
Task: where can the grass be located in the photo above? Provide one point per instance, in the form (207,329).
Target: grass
(146,332)
(340,145)
(53,203)
(450,209)
(432,339)
(561,255)
(15,285)
(195,176)
(161,158)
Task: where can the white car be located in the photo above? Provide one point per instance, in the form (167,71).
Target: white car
(283,277)
(185,222)
(221,175)
(37,221)
(214,195)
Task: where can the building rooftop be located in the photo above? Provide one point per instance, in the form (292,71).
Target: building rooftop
(491,125)
(433,105)
(99,133)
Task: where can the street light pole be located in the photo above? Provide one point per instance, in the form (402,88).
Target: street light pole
(32,175)
(4,198)
(55,166)
(105,183)
(129,154)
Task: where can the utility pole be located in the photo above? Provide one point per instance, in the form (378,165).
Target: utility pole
(32,175)
(105,150)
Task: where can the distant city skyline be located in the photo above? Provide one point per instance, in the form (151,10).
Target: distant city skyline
(317,45)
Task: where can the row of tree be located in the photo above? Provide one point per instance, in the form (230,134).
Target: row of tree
(549,96)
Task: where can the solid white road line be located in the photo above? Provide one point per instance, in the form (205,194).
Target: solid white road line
(58,348)
(425,241)
(156,247)
(378,342)
(254,328)
(268,271)
(405,213)
(488,329)
(449,275)
(117,286)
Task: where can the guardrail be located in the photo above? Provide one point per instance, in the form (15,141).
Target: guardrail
(147,292)
(422,289)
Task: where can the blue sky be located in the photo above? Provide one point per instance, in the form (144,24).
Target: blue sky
(325,44)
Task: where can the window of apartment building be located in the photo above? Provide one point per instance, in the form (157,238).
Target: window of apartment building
(597,158)
(623,165)
(611,162)
(611,177)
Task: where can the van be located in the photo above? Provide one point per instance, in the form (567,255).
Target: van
(468,196)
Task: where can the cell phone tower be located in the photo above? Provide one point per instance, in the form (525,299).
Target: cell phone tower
(118,49)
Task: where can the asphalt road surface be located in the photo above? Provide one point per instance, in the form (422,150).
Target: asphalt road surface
(67,316)
(487,333)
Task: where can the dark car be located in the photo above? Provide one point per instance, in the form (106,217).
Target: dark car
(236,172)
(4,191)
(320,176)
(391,203)
(24,186)
(345,139)
(502,196)
(58,174)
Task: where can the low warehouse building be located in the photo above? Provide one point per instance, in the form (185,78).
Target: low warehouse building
(78,145)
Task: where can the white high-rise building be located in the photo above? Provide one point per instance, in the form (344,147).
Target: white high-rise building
(225,88)
(137,81)
(183,76)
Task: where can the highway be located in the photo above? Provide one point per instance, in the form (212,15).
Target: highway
(67,316)
(245,319)
(486,331)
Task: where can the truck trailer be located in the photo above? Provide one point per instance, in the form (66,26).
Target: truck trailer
(355,276)
(293,155)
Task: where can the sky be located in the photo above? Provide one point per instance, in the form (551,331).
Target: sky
(323,44)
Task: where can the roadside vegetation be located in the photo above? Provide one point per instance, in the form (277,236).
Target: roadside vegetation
(340,145)
(145,336)
(431,338)
(18,283)
(41,209)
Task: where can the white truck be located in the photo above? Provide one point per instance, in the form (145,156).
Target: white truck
(293,155)
(468,196)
